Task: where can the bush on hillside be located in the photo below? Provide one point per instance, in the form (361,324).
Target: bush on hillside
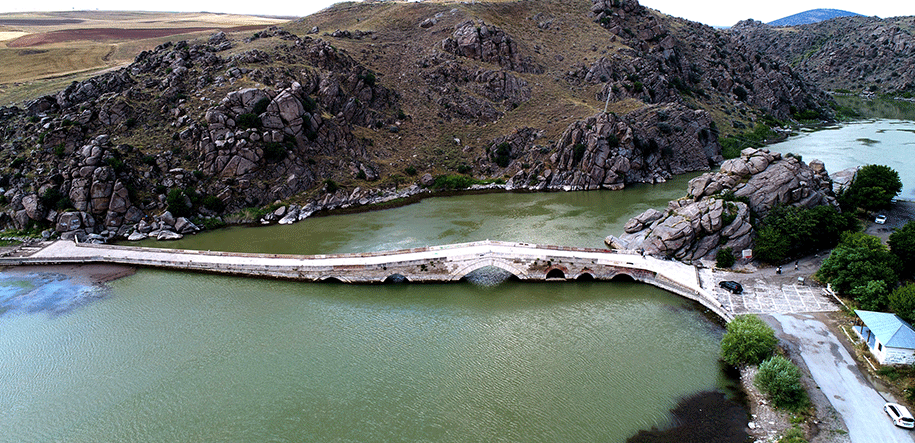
(780,380)
(748,341)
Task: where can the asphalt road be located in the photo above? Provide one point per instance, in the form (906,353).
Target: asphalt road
(836,374)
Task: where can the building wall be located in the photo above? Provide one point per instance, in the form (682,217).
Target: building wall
(897,356)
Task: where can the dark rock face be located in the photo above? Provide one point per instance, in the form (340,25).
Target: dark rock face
(716,211)
(853,53)
(607,151)
(664,64)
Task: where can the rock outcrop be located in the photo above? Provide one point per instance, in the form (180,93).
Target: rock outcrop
(489,44)
(607,151)
(855,53)
(719,208)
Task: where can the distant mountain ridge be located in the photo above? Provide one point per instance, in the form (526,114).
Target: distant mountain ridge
(811,16)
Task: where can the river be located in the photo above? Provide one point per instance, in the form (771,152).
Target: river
(164,356)
(847,145)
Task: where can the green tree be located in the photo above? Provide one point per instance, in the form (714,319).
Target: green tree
(858,260)
(873,188)
(748,340)
(780,380)
(902,245)
(789,231)
(902,302)
(771,246)
(724,258)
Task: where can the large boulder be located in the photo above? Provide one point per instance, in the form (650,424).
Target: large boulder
(716,212)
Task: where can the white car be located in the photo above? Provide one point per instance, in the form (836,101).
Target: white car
(881,219)
(900,415)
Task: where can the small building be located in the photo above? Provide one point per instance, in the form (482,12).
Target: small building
(890,338)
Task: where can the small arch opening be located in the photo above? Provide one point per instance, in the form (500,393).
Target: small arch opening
(624,278)
(585,276)
(396,278)
(334,280)
(556,273)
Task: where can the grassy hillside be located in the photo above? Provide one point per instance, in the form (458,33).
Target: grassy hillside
(41,52)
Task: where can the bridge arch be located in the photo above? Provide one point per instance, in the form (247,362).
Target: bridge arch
(396,278)
(585,275)
(504,265)
(332,279)
(556,272)
(623,278)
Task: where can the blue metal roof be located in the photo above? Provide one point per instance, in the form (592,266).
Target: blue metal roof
(891,330)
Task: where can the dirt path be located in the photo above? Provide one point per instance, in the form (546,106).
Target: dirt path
(837,376)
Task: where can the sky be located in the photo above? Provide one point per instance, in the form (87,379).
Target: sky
(710,12)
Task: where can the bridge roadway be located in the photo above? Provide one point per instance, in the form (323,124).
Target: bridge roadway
(429,264)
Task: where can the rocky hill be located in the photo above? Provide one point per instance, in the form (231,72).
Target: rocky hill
(811,16)
(365,103)
(852,53)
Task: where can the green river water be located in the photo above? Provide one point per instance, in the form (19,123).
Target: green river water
(163,356)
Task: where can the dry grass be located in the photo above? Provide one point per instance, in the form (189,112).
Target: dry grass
(78,46)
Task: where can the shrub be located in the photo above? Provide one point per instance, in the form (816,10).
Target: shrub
(148,160)
(502,154)
(368,78)
(578,153)
(331,186)
(54,199)
(724,258)
(410,170)
(453,182)
(274,152)
(748,340)
(213,203)
(248,121)
(741,93)
(780,380)
(261,106)
(793,435)
(178,203)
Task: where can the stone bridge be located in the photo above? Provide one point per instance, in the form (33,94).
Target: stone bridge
(429,264)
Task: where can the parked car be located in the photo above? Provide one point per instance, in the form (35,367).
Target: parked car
(900,415)
(732,286)
(881,219)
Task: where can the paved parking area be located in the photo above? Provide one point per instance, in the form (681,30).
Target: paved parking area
(762,297)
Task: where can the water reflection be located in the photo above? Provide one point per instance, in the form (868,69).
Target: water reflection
(50,293)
